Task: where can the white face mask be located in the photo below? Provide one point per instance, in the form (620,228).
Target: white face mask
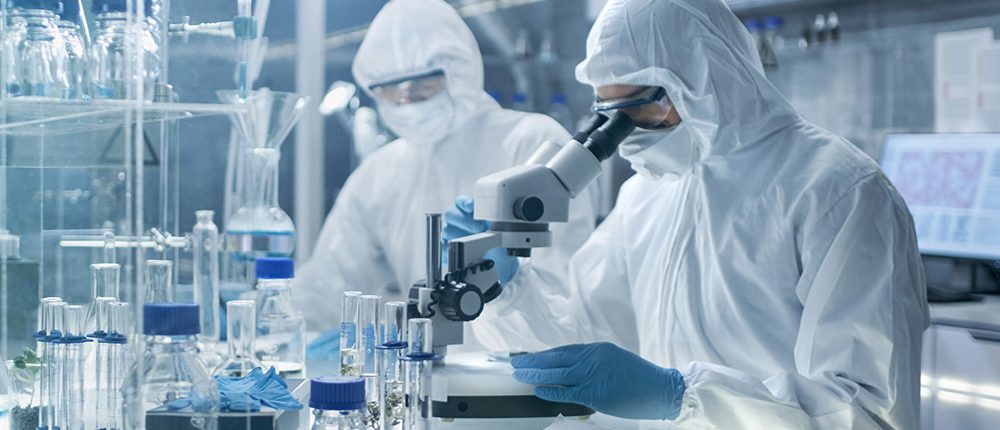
(425,121)
(667,154)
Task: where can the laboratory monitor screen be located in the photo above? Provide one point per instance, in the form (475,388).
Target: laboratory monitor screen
(951,183)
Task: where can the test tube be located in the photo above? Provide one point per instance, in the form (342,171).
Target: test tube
(70,347)
(389,367)
(349,354)
(241,330)
(47,308)
(111,362)
(417,368)
(368,326)
(99,317)
(159,281)
(205,250)
(104,283)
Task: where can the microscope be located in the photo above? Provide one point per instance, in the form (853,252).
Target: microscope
(520,203)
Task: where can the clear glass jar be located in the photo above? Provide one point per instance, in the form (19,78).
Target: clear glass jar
(172,375)
(108,63)
(76,55)
(338,402)
(281,330)
(34,57)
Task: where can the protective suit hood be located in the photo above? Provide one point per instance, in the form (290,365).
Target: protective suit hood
(702,55)
(412,36)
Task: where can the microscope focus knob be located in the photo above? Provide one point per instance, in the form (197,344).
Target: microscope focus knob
(460,301)
(529,208)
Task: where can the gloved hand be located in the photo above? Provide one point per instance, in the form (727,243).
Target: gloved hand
(604,377)
(326,347)
(458,222)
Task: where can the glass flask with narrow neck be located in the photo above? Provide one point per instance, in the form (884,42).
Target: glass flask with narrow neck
(337,402)
(281,329)
(241,330)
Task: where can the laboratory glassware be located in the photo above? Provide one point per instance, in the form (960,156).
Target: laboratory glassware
(259,227)
(76,53)
(35,62)
(368,326)
(390,371)
(337,402)
(48,309)
(768,44)
(350,351)
(281,330)
(205,239)
(104,284)
(159,281)
(108,64)
(112,350)
(99,319)
(241,330)
(172,376)
(69,351)
(417,370)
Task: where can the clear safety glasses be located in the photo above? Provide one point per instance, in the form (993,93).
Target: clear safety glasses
(411,88)
(648,108)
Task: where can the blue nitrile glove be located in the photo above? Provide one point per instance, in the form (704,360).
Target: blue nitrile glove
(458,222)
(248,393)
(604,377)
(326,347)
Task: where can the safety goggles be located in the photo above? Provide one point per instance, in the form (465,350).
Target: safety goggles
(648,108)
(411,88)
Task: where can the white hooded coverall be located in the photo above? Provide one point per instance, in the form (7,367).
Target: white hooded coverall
(779,272)
(374,238)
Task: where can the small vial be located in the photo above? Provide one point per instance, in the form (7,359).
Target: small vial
(159,281)
(390,368)
(338,402)
(369,329)
(240,331)
(350,360)
(70,353)
(417,369)
(111,362)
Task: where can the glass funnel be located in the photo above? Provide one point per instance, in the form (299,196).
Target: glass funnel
(259,227)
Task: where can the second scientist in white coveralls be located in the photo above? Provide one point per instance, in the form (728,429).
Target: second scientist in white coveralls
(421,64)
(760,272)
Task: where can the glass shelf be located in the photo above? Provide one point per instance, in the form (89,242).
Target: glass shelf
(36,117)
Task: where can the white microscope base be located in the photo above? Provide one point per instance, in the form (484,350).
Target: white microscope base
(469,385)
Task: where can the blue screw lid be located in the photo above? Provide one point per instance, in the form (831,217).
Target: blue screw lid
(772,22)
(337,393)
(520,98)
(496,96)
(52,5)
(275,268)
(558,99)
(170,319)
(753,24)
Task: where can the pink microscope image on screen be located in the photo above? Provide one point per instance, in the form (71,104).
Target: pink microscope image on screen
(942,179)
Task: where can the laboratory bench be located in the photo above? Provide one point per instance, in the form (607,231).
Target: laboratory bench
(960,377)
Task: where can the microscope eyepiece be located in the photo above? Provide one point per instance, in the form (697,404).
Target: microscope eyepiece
(595,121)
(604,141)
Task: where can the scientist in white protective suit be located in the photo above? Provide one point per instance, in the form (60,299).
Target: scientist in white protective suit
(422,66)
(759,272)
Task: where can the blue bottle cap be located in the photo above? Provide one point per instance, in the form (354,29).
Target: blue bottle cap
(558,99)
(773,22)
(337,393)
(275,268)
(496,96)
(520,98)
(170,319)
(52,5)
(753,24)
